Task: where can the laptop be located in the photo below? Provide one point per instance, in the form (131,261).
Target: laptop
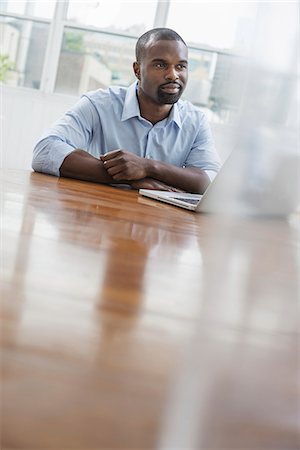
(242,187)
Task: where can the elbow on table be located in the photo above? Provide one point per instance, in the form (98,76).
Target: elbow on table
(36,163)
(40,158)
(37,158)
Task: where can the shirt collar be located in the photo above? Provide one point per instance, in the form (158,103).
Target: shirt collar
(131,107)
(174,115)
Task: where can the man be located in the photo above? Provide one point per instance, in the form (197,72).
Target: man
(143,135)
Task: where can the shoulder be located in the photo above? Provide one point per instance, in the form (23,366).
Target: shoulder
(192,114)
(110,96)
(186,107)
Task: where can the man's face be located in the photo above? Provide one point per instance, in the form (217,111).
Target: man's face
(163,71)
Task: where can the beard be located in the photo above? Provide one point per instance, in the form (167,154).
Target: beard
(166,98)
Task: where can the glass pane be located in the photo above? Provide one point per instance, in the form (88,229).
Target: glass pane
(92,60)
(215,84)
(43,9)
(216,75)
(22,51)
(131,17)
(222,25)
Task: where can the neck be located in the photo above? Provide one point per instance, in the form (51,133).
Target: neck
(152,111)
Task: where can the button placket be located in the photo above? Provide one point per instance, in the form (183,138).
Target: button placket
(148,154)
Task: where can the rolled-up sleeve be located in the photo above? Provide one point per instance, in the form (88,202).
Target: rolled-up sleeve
(49,154)
(73,131)
(203,153)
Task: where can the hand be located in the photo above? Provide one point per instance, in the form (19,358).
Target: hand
(151,183)
(123,165)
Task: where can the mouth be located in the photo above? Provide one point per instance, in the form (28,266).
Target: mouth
(171,88)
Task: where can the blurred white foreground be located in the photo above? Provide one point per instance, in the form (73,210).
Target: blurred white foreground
(264,182)
(264,179)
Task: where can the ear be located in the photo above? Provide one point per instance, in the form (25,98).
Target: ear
(136,69)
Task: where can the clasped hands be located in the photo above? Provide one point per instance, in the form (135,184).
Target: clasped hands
(124,166)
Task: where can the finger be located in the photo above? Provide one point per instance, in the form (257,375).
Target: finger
(114,171)
(113,168)
(112,163)
(119,176)
(110,155)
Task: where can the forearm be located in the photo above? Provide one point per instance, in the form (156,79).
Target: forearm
(125,166)
(189,179)
(83,166)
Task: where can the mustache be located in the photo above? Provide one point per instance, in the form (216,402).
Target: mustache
(172,84)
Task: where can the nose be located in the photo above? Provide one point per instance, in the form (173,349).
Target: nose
(171,74)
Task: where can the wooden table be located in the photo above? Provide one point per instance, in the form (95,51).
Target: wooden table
(131,324)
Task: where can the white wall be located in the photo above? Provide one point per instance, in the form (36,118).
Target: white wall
(26,113)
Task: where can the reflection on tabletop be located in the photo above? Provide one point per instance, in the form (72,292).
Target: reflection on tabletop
(168,326)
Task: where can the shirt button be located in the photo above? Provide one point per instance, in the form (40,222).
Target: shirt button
(149,157)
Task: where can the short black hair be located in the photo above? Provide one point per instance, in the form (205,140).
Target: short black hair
(156,34)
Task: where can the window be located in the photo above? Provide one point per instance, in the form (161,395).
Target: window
(44,9)
(132,17)
(94,59)
(219,25)
(219,34)
(71,47)
(91,60)
(22,51)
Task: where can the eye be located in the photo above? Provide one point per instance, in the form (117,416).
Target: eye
(181,66)
(159,65)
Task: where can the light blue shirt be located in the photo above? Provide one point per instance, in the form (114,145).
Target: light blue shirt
(110,119)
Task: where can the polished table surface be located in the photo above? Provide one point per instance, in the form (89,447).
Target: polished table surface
(132,324)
